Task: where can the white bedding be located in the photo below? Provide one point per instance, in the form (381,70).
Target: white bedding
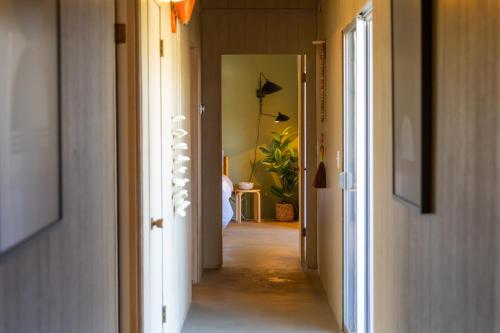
(227,210)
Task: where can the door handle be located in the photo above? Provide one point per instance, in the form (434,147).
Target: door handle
(346,182)
(343,180)
(157,223)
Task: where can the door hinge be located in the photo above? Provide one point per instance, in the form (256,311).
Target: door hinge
(304,232)
(164,314)
(304,77)
(120,33)
(156,223)
(162,48)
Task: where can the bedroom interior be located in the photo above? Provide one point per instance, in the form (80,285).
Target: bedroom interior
(259,98)
(259,95)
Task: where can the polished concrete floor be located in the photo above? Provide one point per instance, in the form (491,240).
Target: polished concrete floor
(261,287)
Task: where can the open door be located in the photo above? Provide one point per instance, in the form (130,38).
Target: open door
(152,168)
(302,102)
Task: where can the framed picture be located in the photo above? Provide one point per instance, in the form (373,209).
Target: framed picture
(412,102)
(30,156)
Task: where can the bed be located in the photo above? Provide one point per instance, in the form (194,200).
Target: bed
(227,192)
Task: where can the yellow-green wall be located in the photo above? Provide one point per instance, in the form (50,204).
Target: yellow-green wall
(240,110)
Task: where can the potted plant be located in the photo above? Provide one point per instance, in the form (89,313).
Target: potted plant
(281,159)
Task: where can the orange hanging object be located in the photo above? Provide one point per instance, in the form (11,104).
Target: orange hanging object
(184,10)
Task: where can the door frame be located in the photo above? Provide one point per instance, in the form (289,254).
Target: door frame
(307,262)
(129,168)
(302,126)
(196,109)
(211,23)
(308,151)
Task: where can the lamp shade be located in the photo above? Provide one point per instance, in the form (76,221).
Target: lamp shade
(281,117)
(184,9)
(269,88)
(181,9)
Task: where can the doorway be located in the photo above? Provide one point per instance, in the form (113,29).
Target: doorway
(262,161)
(356,178)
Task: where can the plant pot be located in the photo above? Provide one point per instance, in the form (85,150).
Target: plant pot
(284,212)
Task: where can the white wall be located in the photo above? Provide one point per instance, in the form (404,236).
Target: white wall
(438,272)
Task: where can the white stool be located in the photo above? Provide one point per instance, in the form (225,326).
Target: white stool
(239,195)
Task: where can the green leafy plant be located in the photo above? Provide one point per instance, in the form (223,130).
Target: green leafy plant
(281,159)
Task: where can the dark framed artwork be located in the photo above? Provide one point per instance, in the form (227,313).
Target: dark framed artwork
(412,49)
(30,139)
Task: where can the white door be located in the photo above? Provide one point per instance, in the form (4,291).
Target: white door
(170,104)
(152,169)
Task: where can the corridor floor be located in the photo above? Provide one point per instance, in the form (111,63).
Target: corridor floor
(261,287)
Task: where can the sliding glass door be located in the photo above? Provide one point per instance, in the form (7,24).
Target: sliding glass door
(348,179)
(356,176)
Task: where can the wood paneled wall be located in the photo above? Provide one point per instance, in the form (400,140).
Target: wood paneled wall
(438,272)
(65,279)
(248,31)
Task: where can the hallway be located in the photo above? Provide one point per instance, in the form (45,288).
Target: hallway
(261,287)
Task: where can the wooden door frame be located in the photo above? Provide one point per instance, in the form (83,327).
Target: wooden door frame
(308,249)
(196,167)
(302,129)
(245,40)
(129,168)
(308,242)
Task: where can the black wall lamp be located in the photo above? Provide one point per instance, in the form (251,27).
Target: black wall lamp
(267,89)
